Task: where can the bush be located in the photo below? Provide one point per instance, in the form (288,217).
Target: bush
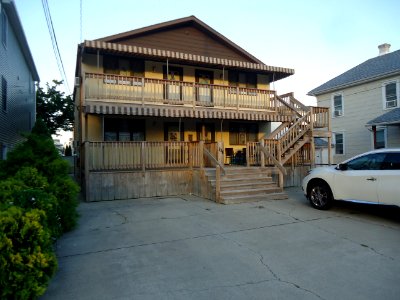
(28,189)
(27,261)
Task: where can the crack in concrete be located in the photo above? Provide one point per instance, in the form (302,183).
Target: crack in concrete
(266,265)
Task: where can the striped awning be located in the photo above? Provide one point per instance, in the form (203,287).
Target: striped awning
(279,72)
(183,112)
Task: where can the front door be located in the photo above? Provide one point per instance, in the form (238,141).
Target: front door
(204,93)
(173,87)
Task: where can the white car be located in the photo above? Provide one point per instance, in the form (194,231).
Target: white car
(371,177)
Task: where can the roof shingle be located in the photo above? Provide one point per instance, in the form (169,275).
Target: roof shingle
(372,69)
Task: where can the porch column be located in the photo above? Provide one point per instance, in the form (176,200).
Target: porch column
(374,133)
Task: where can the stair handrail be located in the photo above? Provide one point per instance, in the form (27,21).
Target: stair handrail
(216,161)
(264,150)
(295,103)
(278,132)
(295,132)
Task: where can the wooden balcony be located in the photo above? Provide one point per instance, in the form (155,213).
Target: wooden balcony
(139,91)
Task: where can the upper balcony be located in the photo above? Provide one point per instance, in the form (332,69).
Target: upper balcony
(106,89)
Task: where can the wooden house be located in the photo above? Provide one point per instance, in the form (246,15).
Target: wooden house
(177,108)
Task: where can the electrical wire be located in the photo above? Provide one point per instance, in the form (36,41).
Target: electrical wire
(55,44)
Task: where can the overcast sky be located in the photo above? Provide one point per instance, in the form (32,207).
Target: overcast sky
(319,39)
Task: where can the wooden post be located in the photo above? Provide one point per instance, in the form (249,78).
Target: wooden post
(142,91)
(262,158)
(237,98)
(247,155)
(87,155)
(201,154)
(312,144)
(329,138)
(143,156)
(220,152)
(218,184)
(279,156)
(374,133)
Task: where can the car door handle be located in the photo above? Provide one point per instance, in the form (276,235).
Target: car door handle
(371,179)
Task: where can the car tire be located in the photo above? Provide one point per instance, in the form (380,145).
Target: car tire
(320,195)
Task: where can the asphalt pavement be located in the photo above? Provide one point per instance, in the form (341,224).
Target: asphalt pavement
(186,247)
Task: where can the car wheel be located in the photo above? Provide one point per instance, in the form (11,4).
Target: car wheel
(320,195)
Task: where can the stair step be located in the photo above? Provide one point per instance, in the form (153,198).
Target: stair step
(249,192)
(254,198)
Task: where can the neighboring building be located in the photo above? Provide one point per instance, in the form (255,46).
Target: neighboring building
(365,105)
(18,75)
(158,105)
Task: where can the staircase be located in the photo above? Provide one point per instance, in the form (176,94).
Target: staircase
(246,184)
(290,137)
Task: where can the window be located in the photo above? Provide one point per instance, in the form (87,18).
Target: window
(380,138)
(390,95)
(367,162)
(241,133)
(3,93)
(242,79)
(4,28)
(392,161)
(339,143)
(337,105)
(116,129)
(123,66)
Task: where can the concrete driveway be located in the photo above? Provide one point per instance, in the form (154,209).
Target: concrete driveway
(190,248)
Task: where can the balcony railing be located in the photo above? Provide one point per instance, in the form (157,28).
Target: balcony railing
(140,90)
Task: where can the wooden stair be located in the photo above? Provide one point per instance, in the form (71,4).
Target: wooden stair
(246,184)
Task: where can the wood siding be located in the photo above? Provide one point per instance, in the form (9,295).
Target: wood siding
(361,104)
(186,39)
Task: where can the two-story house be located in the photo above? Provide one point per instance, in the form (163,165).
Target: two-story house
(365,105)
(18,75)
(170,108)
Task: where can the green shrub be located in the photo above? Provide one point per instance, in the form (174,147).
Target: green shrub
(27,261)
(66,191)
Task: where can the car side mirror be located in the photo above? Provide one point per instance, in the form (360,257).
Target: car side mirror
(342,167)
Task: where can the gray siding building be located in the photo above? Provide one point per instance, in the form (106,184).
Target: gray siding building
(365,105)
(17,80)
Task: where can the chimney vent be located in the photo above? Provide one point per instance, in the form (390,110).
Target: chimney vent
(384,48)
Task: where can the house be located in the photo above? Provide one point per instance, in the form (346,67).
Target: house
(365,105)
(178,108)
(18,75)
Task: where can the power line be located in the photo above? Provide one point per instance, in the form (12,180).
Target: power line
(55,44)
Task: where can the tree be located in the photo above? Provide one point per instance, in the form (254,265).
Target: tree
(56,109)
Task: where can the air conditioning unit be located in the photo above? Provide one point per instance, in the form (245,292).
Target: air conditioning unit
(77,81)
(338,113)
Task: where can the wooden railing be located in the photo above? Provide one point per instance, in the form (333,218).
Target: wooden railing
(139,90)
(147,155)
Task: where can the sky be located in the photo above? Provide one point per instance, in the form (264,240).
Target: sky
(319,39)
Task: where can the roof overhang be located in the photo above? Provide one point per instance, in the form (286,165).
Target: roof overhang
(275,73)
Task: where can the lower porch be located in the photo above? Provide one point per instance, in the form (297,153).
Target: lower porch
(124,170)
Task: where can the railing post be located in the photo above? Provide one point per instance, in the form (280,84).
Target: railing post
(201,154)
(142,156)
(279,156)
(194,95)
(87,156)
(218,184)
(262,158)
(247,154)
(312,144)
(142,91)
(237,98)
(220,153)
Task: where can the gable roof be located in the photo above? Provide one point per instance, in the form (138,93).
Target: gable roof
(389,118)
(130,36)
(373,69)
